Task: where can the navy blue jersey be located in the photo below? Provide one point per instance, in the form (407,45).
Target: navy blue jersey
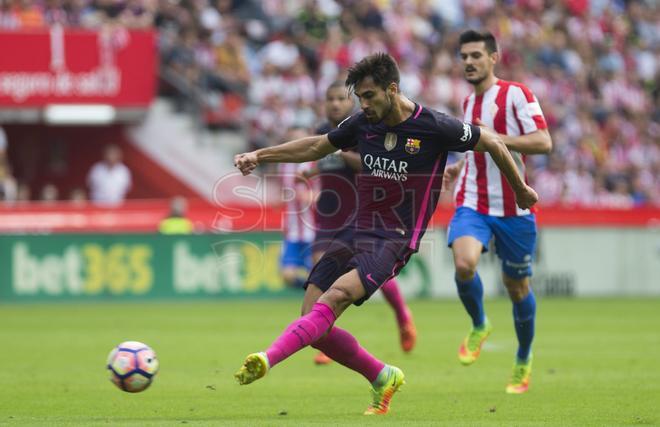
(337,198)
(402,167)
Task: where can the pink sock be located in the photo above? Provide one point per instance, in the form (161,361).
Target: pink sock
(342,347)
(301,333)
(393,296)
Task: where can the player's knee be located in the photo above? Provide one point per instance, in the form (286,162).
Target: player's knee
(517,289)
(465,268)
(289,276)
(337,298)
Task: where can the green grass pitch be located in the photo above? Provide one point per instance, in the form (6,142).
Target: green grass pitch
(597,362)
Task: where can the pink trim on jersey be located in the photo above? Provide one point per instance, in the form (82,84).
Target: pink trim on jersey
(425,203)
(418,112)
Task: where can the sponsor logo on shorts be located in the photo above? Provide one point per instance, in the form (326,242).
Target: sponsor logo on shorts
(525,264)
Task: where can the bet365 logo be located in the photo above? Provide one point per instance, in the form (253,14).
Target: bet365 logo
(86,270)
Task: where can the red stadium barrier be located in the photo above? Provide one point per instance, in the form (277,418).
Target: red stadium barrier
(140,216)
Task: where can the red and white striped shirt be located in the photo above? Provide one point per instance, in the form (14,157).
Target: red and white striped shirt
(511,109)
(298,198)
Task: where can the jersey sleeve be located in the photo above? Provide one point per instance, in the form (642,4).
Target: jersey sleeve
(344,136)
(455,135)
(527,109)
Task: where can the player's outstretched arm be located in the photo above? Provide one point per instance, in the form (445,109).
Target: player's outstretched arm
(537,142)
(491,142)
(296,151)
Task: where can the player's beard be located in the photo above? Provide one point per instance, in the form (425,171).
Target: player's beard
(476,80)
(389,109)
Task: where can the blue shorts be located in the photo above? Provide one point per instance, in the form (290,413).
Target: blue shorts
(296,254)
(515,237)
(376,258)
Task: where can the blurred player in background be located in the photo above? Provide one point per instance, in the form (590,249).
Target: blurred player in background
(403,147)
(336,205)
(299,228)
(486,206)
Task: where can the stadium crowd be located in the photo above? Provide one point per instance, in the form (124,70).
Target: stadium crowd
(593,64)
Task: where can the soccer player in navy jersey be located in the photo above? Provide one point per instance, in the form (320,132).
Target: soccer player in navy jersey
(403,147)
(485,206)
(335,206)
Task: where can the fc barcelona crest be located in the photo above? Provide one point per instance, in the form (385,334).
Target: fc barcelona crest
(390,141)
(413,145)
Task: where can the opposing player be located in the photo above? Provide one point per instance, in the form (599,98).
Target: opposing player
(336,174)
(403,147)
(486,206)
(299,222)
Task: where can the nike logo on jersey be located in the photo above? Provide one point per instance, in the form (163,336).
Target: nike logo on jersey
(371,135)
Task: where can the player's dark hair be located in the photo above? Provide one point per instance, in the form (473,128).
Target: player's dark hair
(487,37)
(335,85)
(381,67)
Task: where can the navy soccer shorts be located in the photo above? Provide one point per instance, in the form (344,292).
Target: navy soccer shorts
(376,259)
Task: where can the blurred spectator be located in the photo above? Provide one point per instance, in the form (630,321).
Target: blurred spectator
(29,14)
(3,144)
(176,222)
(24,194)
(49,193)
(78,196)
(8,190)
(281,52)
(231,61)
(109,180)
(595,66)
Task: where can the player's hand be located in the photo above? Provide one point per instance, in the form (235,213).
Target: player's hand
(450,175)
(478,122)
(526,197)
(246,162)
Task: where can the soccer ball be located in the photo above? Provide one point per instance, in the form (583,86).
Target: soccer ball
(132,366)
